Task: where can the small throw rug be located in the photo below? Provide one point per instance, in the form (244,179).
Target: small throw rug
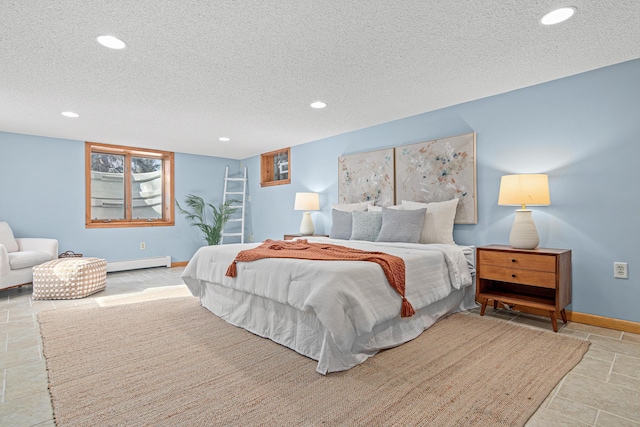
(173,363)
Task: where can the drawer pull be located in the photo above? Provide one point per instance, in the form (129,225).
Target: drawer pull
(513,260)
(513,275)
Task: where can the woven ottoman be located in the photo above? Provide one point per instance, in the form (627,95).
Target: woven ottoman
(69,278)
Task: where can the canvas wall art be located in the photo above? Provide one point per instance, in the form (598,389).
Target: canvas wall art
(439,170)
(367,176)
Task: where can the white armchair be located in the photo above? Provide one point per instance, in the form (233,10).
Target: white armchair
(19,256)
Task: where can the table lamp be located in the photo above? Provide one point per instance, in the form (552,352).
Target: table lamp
(307,202)
(523,190)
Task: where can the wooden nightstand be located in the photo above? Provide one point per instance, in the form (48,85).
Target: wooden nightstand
(536,278)
(293,236)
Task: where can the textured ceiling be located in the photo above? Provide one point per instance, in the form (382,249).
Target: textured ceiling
(196,70)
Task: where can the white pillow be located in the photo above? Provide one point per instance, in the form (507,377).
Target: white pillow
(7,239)
(372,208)
(438,222)
(351,207)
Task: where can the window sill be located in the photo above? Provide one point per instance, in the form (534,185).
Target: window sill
(129,224)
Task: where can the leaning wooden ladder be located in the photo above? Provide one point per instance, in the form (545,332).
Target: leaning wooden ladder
(240,201)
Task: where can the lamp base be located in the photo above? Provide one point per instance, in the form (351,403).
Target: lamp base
(306,226)
(524,234)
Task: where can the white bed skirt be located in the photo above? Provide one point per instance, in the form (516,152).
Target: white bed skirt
(302,332)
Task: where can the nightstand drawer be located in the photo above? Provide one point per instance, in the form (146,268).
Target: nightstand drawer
(519,260)
(516,275)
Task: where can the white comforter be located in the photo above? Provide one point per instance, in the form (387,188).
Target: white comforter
(348,297)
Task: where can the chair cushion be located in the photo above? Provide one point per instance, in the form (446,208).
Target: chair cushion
(26,259)
(7,239)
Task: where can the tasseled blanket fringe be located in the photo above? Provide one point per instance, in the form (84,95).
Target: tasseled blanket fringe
(407,308)
(232,270)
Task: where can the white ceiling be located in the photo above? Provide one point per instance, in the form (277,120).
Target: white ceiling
(196,70)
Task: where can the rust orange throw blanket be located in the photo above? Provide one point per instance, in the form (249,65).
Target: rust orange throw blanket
(392,266)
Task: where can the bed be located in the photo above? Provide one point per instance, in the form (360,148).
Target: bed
(338,313)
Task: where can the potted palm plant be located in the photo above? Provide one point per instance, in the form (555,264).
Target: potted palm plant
(211,224)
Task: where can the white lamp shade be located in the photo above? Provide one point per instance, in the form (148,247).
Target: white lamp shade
(307,202)
(522,190)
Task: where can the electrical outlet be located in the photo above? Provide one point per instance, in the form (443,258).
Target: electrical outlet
(620,270)
(249,198)
(251,237)
(143,246)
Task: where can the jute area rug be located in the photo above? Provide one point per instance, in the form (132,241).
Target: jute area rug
(173,363)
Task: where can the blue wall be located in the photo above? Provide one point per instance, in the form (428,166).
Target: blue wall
(42,194)
(583,131)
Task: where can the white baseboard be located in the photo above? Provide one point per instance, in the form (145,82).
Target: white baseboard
(134,264)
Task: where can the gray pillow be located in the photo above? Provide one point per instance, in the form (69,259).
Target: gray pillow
(401,226)
(341,226)
(366,225)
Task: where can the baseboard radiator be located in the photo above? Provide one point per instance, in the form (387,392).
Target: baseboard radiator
(134,264)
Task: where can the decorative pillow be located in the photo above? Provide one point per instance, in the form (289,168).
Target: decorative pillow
(7,239)
(341,226)
(401,225)
(366,225)
(438,223)
(352,207)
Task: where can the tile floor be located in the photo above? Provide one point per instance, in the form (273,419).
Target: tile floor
(602,390)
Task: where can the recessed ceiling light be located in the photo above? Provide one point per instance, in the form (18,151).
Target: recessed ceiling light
(70,114)
(111,42)
(224,139)
(557,16)
(318,104)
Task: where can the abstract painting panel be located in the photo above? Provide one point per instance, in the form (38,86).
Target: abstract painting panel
(439,170)
(366,176)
